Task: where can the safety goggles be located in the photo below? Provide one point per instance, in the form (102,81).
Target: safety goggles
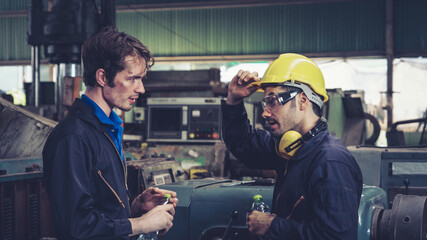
(274,101)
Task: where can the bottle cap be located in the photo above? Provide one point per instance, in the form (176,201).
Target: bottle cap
(257,198)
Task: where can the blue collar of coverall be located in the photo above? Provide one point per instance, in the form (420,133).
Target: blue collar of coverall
(113,123)
(310,145)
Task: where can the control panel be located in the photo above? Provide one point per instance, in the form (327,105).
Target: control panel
(184,119)
(151,172)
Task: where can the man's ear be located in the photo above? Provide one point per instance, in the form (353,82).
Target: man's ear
(101,77)
(303,101)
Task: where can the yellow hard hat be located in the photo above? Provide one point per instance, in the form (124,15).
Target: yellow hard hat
(290,69)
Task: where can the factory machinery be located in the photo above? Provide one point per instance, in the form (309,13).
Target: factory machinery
(393,203)
(392,206)
(216,208)
(24,204)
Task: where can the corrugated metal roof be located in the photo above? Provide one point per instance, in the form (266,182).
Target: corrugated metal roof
(322,27)
(410,31)
(326,27)
(17,5)
(10,5)
(13,39)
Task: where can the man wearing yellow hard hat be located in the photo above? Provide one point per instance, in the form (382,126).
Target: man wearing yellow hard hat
(319,184)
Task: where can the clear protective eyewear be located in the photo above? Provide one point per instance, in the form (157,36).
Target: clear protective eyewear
(274,101)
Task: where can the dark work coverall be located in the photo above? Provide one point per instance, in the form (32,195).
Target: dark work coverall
(317,192)
(85,179)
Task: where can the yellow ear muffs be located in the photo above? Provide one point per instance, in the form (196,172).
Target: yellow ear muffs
(289,144)
(292,140)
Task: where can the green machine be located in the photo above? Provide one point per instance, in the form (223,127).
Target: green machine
(402,173)
(217,208)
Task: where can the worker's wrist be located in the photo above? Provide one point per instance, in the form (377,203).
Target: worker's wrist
(136,228)
(233,101)
(140,225)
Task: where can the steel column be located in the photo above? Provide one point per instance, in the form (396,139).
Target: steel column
(389,38)
(35,65)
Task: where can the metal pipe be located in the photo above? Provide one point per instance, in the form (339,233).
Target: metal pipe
(35,65)
(58,95)
(390,57)
(64,70)
(71,70)
(108,13)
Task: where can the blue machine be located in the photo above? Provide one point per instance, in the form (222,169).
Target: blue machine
(396,170)
(209,208)
(393,203)
(204,207)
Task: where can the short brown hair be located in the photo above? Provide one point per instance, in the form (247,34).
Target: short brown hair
(107,49)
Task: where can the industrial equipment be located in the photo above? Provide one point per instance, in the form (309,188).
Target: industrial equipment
(64,28)
(396,170)
(195,83)
(406,220)
(206,207)
(151,172)
(184,120)
(397,137)
(24,204)
(22,132)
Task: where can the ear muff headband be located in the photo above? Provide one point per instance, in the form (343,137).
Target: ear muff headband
(291,141)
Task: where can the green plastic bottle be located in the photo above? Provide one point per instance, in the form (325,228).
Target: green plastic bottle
(259,205)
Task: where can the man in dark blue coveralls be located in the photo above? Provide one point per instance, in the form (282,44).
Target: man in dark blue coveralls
(84,166)
(319,183)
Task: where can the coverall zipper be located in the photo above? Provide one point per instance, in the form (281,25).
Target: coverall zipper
(295,205)
(112,190)
(121,161)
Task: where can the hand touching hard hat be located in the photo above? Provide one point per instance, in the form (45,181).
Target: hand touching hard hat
(293,69)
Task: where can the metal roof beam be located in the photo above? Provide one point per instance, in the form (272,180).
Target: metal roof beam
(216,4)
(192,5)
